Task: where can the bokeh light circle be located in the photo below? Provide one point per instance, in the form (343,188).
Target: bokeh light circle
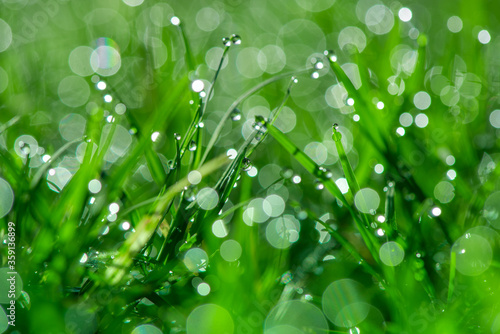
(207,198)
(209,319)
(391,253)
(146,329)
(73,91)
(105,60)
(283,231)
(444,192)
(379,19)
(195,260)
(5,35)
(230,250)
(79,61)
(6,198)
(491,210)
(4,80)
(344,304)
(296,314)
(367,200)
(473,254)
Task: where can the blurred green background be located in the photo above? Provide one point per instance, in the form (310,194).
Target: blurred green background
(420,127)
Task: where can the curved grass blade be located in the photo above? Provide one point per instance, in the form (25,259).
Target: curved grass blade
(45,166)
(9,123)
(346,165)
(237,102)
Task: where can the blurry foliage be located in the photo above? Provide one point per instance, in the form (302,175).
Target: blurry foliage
(170,166)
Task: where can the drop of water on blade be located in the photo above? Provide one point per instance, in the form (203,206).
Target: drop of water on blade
(177,136)
(331,55)
(192,146)
(226,41)
(171,165)
(260,124)
(236,114)
(326,172)
(318,185)
(246,165)
(236,39)
(319,65)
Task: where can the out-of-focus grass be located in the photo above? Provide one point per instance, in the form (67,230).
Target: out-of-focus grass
(162,181)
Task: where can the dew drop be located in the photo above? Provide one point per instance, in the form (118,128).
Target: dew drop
(236,114)
(315,75)
(325,172)
(260,124)
(177,136)
(331,55)
(175,21)
(319,65)
(236,39)
(192,146)
(246,164)
(318,185)
(171,164)
(226,41)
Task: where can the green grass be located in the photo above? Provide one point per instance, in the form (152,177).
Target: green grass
(346,191)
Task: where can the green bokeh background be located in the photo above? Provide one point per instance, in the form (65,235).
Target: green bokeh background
(159,61)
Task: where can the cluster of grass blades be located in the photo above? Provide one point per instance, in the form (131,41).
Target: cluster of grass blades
(175,235)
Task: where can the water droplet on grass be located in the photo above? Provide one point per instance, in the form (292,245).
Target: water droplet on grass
(192,146)
(175,21)
(177,136)
(226,41)
(246,164)
(331,55)
(236,39)
(236,114)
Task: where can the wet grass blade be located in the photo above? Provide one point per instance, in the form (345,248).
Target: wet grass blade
(148,223)
(39,173)
(350,248)
(451,281)
(9,123)
(237,102)
(346,165)
(329,184)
